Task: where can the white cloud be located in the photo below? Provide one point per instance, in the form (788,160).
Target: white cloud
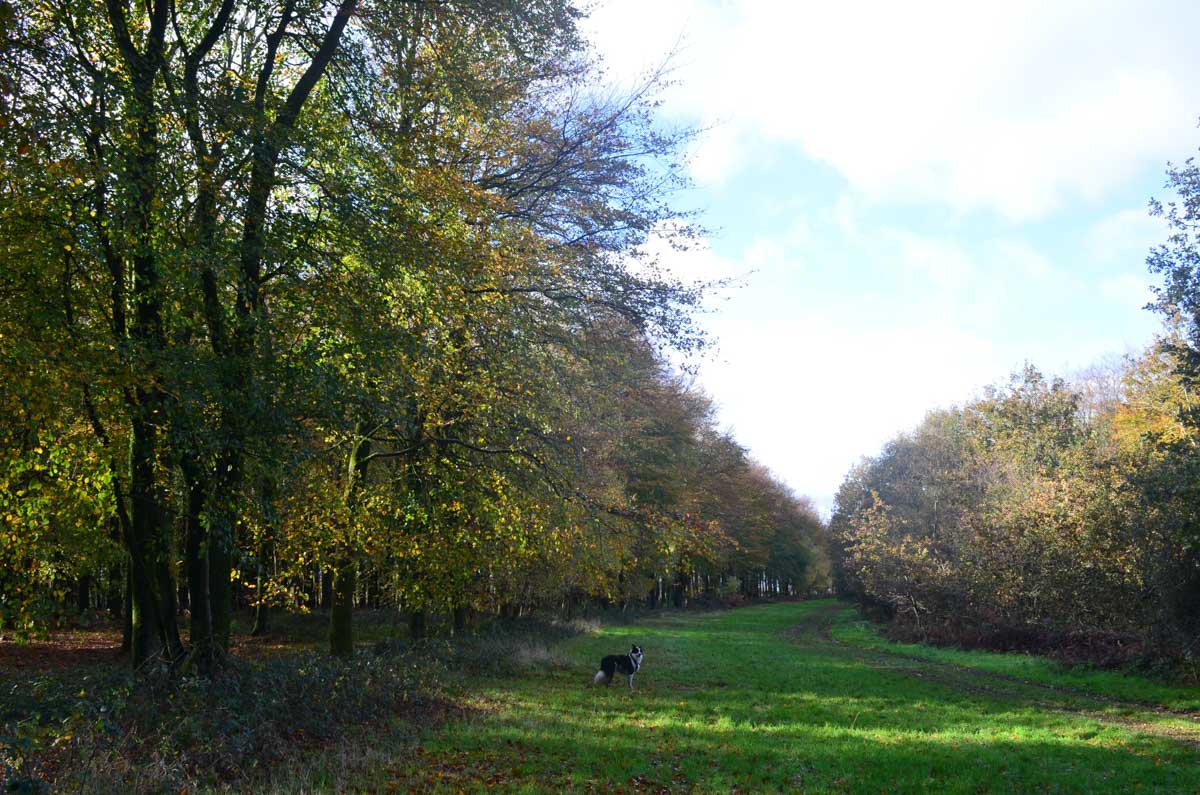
(813,374)
(763,252)
(854,322)
(811,395)
(940,264)
(715,155)
(1124,238)
(1017,107)
(1128,291)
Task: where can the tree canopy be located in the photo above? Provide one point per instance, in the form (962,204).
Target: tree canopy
(343,303)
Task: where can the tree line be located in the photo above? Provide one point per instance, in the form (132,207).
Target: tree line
(1050,513)
(347,303)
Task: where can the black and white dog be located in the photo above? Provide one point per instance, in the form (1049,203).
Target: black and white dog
(613,664)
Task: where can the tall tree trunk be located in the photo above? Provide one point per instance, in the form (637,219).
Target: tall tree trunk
(127,613)
(196,566)
(341,623)
(341,618)
(155,631)
(263,574)
(221,543)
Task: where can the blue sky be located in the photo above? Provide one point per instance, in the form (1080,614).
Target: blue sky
(921,197)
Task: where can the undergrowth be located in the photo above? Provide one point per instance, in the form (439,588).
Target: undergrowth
(105,729)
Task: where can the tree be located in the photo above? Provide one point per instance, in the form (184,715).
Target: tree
(353,289)
(1007,518)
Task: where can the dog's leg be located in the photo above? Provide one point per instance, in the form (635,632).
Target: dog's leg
(631,681)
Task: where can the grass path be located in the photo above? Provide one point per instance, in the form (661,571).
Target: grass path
(768,699)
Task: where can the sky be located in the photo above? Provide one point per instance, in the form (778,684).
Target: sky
(918,197)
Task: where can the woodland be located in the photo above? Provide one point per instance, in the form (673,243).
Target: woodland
(1055,515)
(312,306)
(336,323)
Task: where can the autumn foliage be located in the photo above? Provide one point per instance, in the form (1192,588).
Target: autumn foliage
(339,304)
(1034,519)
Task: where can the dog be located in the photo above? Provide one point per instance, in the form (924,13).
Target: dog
(627,664)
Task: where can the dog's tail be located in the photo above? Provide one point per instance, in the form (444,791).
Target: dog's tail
(600,678)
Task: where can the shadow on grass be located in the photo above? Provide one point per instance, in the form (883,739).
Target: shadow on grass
(726,702)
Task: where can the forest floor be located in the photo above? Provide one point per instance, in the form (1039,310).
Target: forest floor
(786,697)
(803,697)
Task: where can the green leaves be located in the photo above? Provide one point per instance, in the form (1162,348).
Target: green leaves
(243,243)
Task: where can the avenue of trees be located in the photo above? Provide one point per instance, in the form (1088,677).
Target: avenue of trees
(1050,513)
(339,303)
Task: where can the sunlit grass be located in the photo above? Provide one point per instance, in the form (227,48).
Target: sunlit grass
(730,700)
(1029,667)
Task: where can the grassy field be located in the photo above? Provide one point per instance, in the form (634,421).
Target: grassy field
(801,697)
(796,697)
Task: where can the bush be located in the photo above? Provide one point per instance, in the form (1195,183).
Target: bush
(105,729)
(507,647)
(121,734)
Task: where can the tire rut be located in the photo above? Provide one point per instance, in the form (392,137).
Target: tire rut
(1061,700)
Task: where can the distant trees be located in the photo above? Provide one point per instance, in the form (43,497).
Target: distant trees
(1048,513)
(1021,520)
(330,302)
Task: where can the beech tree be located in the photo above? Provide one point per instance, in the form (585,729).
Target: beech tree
(348,292)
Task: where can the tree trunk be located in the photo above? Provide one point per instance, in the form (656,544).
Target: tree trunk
(678,589)
(83,593)
(262,620)
(341,617)
(155,631)
(127,613)
(326,597)
(417,628)
(114,593)
(196,566)
(220,576)
(341,626)
(262,610)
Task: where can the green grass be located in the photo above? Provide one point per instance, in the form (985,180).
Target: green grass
(866,635)
(740,700)
(798,697)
